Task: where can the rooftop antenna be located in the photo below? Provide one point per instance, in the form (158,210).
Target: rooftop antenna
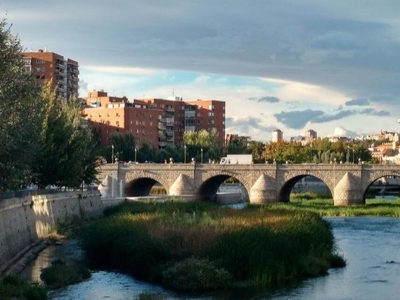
(173,92)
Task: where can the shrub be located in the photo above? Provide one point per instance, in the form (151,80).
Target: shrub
(13,287)
(61,274)
(195,274)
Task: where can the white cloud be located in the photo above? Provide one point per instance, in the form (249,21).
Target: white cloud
(119,70)
(291,90)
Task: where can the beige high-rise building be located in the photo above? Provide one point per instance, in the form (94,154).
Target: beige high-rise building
(277,135)
(46,66)
(310,134)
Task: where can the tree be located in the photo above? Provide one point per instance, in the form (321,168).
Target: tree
(68,151)
(208,141)
(21,114)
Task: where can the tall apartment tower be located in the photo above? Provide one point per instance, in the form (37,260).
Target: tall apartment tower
(310,134)
(156,122)
(46,66)
(277,135)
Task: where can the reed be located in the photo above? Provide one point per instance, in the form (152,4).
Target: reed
(13,287)
(159,241)
(325,207)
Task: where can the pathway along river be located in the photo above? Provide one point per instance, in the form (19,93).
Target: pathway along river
(371,246)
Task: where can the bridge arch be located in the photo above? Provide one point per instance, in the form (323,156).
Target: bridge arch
(207,191)
(141,184)
(287,187)
(375,177)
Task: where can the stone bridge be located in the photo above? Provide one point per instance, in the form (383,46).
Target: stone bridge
(269,183)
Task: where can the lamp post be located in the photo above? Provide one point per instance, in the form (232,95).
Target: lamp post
(310,153)
(184,154)
(135,154)
(348,155)
(353,156)
(112,154)
(201,156)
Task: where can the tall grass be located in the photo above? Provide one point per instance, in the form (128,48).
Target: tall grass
(325,207)
(191,245)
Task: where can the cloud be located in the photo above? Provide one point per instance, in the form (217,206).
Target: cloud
(119,70)
(247,123)
(298,119)
(357,102)
(269,99)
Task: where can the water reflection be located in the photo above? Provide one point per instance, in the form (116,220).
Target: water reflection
(371,246)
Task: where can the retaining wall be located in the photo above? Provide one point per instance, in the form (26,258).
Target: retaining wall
(26,221)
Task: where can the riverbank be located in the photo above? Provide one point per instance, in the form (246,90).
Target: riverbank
(325,208)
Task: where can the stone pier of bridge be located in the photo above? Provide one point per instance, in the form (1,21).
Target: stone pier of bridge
(264,183)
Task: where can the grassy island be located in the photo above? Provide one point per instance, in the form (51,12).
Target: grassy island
(199,246)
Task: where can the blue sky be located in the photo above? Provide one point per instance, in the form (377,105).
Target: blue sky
(293,65)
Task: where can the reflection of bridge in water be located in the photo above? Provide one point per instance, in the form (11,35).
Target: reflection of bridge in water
(347,183)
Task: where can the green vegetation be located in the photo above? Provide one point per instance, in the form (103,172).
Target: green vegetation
(12,287)
(40,134)
(324,207)
(61,274)
(150,296)
(199,246)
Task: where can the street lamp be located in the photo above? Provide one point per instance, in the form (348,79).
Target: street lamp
(135,154)
(184,154)
(201,159)
(112,154)
(348,155)
(353,156)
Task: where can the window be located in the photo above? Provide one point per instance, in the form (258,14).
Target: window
(117,114)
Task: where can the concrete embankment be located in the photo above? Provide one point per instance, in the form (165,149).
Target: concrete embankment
(26,222)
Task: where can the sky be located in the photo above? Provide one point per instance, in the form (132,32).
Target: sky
(292,65)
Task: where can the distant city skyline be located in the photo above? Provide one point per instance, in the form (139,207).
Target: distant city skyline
(288,65)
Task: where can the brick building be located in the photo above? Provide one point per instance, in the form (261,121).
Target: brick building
(156,122)
(46,66)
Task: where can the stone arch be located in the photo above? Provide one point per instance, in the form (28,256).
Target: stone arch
(207,191)
(374,176)
(287,187)
(141,184)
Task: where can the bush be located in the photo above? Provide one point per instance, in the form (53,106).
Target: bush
(195,274)
(61,274)
(12,287)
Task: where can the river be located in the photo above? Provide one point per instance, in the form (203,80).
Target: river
(371,246)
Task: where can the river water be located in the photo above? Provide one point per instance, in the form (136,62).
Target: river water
(371,246)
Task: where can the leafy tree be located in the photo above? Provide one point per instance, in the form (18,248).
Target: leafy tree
(21,114)
(68,151)
(124,146)
(256,149)
(208,141)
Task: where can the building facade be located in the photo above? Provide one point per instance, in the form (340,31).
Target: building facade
(277,135)
(155,122)
(48,66)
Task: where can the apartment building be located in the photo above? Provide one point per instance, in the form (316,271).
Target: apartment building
(154,121)
(277,135)
(46,66)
